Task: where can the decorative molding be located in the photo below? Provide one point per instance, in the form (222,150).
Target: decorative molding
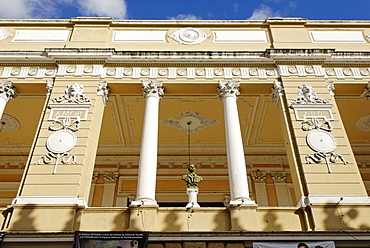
(8,123)
(152,88)
(307,95)
(315,123)
(7,90)
(366,93)
(228,88)
(73,94)
(363,124)
(259,176)
(198,122)
(278,176)
(27,72)
(276,91)
(103,90)
(189,36)
(4,34)
(111,177)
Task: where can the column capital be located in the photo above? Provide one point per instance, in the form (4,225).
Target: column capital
(103,90)
(276,91)
(7,90)
(259,176)
(366,93)
(152,88)
(228,88)
(278,176)
(110,177)
(95,177)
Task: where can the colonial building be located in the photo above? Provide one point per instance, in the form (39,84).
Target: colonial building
(101,119)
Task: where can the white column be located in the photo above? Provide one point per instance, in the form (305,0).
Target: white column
(259,178)
(239,193)
(110,179)
(282,192)
(153,92)
(7,92)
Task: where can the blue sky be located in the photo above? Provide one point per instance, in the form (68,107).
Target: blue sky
(187,9)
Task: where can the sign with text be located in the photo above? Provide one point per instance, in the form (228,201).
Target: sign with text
(58,111)
(304,111)
(111,239)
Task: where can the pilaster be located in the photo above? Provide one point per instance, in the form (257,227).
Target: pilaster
(110,180)
(57,178)
(259,179)
(323,167)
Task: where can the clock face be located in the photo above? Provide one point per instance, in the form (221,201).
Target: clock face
(321,141)
(61,141)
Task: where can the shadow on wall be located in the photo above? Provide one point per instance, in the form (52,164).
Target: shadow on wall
(24,220)
(270,222)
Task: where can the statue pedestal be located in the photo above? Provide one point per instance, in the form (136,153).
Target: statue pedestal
(192,198)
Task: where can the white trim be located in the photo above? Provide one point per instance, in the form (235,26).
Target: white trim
(41,36)
(139,36)
(337,37)
(49,200)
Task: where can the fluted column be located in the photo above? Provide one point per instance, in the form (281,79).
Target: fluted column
(7,92)
(153,92)
(239,193)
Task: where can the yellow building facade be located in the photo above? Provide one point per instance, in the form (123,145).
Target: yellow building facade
(102,117)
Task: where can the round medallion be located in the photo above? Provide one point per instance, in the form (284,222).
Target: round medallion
(321,141)
(190,35)
(363,124)
(8,123)
(61,141)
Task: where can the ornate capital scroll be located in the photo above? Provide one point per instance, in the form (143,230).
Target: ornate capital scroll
(276,91)
(110,177)
(228,88)
(259,176)
(73,94)
(7,90)
(366,93)
(103,90)
(278,176)
(153,88)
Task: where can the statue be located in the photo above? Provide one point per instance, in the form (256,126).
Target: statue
(192,179)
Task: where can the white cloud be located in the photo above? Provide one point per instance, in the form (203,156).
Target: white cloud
(262,13)
(111,8)
(185,17)
(236,6)
(18,9)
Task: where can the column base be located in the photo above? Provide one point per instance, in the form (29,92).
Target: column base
(241,201)
(144,202)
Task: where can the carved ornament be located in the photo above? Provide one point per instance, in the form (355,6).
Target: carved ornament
(153,88)
(228,88)
(258,176)
(73,94)
(276,91)
(198,122)
(103,90)
(278,176)
(4,34)
(95,177)
(7,90)
(8,123)
(330,87)
(363,124)
(189,36)
(366,93)
(307,95)
(49,87)
(111,177)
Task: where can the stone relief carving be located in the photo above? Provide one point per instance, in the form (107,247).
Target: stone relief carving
(198,122)
(366,93)
(103,90)
(7,90)
(307,95)
(73,94)
(278,176)
(95,177)
(49,87)
(4,34)
(363,124)
(276,91)
(189,36)
(8,123)
(258,176)
(111,177)
(315,123)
